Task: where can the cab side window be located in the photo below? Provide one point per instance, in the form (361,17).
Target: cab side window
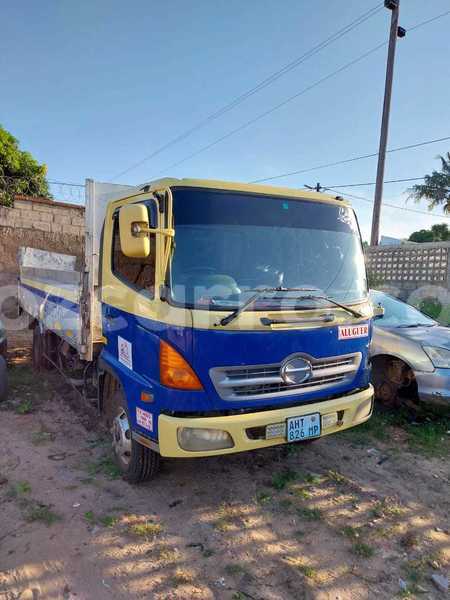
(136,272)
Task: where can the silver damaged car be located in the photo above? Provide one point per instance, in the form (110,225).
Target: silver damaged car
(410,354)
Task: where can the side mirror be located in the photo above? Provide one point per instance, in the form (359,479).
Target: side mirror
(134,229)
(378,312)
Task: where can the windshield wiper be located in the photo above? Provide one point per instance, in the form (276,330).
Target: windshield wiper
(233,315)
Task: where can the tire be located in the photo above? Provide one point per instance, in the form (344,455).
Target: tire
(136,462)
(3,379)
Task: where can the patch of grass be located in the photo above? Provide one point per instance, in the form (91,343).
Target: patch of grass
(165,554)
(108,520)
(24,407)
(363,550)
(22,377)
(409,540)
(39,438)
(90,517)
(19,489)
(337,477)
(147,530)
(352,533)
(310,514)
(181,577)
(301,492)
(386,508)
(430,438)
(285,504)
(313,478)
(228,517)
(105,466)
(235,569)
(281,480)
(263,497)
(43,513)
(305,569)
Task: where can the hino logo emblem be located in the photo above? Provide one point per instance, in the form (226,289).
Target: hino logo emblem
(296,370)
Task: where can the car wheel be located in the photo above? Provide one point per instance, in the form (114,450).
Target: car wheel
(136,462)
(3,379)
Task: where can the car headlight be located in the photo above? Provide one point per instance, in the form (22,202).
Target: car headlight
(440,357)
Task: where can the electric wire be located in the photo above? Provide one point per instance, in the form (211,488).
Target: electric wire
(413,210)
(273,109)
(349,160)
(281,104)
(349,185)
(258,87)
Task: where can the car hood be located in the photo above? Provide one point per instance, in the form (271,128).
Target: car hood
(430,336)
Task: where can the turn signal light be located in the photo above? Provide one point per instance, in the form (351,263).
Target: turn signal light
(174,371)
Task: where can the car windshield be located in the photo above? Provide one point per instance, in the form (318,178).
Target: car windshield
(398,313)
(229,243)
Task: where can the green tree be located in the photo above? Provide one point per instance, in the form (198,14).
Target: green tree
(436,187)
(20,173)
(437,233)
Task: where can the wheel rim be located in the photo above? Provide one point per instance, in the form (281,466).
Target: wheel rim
(121,433)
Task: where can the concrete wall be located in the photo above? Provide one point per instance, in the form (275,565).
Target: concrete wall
(39,223)
(409,267)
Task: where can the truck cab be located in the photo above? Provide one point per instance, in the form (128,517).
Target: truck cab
(215,317)
(234,317)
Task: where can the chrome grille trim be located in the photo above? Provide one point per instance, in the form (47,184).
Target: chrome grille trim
(264,381)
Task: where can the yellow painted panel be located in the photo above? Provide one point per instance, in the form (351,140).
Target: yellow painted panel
(356,407)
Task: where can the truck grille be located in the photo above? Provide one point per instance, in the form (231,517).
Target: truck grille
(264,381)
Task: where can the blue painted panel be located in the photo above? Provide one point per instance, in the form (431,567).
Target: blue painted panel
(205,349)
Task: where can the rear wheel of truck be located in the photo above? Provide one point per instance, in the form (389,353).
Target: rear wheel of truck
(3,379)
(136,462)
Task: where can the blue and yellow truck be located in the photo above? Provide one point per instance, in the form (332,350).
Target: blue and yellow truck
(207,317)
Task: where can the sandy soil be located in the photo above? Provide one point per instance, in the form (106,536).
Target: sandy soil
(330,520)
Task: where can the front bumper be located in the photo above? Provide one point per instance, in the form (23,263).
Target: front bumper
(353,409)
(434,387)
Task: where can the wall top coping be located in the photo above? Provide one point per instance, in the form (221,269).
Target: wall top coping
(49,202)
(410,246)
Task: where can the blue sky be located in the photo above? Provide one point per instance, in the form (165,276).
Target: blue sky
(90,88)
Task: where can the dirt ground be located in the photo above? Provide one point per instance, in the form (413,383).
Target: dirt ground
(360,515)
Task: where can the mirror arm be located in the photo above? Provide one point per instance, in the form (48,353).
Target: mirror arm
(138,229)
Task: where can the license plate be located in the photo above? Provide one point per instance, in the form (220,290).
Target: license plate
(303,428)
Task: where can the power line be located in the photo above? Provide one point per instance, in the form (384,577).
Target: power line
(259,86)
(273,109)
(349,160)
(349,185)
(414,27)
(413,210)
(262,115)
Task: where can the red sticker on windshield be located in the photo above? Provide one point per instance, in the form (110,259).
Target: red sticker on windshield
(347,332)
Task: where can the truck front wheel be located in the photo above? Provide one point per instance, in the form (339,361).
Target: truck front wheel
(136,462)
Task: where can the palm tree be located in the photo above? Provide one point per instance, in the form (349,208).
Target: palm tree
(436,188)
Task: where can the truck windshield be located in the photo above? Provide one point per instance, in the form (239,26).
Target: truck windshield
(227,244)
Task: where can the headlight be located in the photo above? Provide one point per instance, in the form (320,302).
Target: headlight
(440,357)
(196,439)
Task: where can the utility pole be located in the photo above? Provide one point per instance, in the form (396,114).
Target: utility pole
(396,31)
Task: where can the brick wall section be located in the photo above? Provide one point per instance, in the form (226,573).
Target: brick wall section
(39,223)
